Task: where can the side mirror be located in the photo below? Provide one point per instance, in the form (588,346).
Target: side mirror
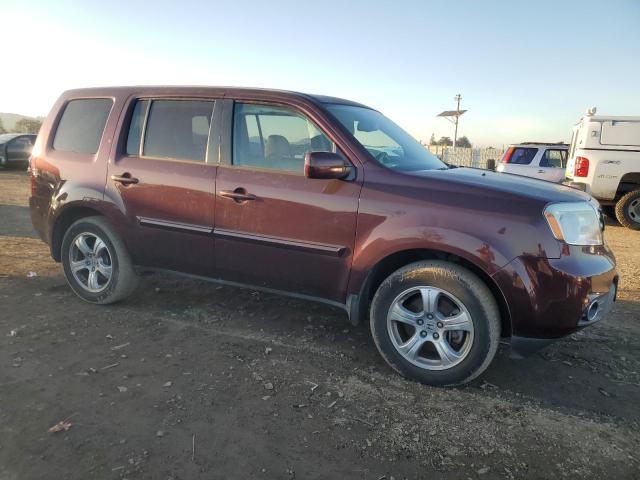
(326,165)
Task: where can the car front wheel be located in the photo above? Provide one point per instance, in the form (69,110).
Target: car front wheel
(436,322)
(96,263)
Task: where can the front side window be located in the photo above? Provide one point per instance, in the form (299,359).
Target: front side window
(554,159)
(384,140)
(81,125)
(276,138)
(175,129)
(522,156)
(22,143)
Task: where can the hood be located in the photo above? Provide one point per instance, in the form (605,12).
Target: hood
(504,183)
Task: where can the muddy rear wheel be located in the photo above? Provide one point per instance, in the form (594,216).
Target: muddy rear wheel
(96,262)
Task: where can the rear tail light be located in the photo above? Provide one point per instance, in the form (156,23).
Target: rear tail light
(507,155)
(33,180)
(581,167)
(33,164)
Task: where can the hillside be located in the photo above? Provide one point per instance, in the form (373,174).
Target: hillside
(9,119)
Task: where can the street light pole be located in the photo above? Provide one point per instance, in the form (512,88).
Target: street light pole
(454,116)
(455,135)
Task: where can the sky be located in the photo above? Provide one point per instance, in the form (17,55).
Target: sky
(525,70)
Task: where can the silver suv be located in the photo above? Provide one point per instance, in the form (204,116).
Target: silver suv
(546,161)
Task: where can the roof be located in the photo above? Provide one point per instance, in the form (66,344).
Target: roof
(324,99)
(541,144)
(5,137)
(609,118)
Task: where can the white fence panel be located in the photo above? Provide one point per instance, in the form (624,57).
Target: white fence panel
(467,157)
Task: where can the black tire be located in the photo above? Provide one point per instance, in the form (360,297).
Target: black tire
(609,211)
(628,210)
(123,280)
(473,294)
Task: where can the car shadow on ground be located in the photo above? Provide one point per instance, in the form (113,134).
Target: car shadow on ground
(577,374)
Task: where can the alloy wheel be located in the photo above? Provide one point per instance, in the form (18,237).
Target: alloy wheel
(90,262)
(633,210)
(430,327)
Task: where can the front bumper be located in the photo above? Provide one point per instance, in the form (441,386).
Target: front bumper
(551,298)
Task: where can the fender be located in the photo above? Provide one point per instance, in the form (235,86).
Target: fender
(72,201)
(377,246)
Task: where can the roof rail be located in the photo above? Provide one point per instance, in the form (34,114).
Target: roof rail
(544,143)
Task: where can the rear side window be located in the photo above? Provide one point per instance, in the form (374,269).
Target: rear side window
(81,125)
(175,129)
(135,127)
(522,156)
(554,159)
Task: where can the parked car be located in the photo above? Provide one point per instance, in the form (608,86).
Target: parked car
(546,161)
(15,149)
(319,198)
(604,160)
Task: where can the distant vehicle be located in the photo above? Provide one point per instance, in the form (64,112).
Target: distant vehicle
(320,198)
(546,161)
(604,160)
(15,149)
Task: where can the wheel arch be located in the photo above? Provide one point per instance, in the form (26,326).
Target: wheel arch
(358,306)
(628,183)
(63,221)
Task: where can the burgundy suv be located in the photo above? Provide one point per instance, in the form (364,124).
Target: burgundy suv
(319,198)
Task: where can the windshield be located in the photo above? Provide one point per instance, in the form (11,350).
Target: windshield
(387,142)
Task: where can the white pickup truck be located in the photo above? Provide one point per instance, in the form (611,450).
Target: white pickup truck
(604,160)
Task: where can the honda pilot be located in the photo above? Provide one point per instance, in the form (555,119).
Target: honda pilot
(324,199)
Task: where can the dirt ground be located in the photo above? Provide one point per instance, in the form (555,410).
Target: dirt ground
(194,380)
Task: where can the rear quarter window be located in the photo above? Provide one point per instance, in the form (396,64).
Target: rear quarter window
(81,125)
(523,156)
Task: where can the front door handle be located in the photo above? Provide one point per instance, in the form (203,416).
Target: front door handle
(238,195)
(540,171)
(125,179)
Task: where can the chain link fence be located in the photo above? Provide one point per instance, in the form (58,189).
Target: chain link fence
(468,157)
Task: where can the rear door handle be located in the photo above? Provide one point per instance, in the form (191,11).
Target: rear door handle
(239,195)
(125,179)
(540,171)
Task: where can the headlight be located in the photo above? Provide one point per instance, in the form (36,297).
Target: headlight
(576,223)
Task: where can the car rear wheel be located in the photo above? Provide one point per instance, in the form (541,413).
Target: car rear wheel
(436,322)
(628,210)
(96,263)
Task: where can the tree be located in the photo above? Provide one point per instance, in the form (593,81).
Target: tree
(463,142)
(2,129)
(27,125)
(445,142)
(432,140)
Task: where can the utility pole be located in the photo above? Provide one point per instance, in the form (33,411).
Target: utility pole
(454,116)
(457,98)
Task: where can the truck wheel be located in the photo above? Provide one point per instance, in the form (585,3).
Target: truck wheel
(96,263)
(628,210)
(435,322)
